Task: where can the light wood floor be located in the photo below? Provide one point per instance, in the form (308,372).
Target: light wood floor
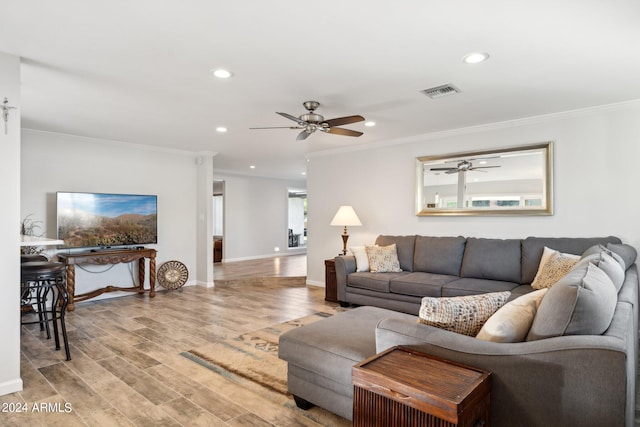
(282,266)
(127,369)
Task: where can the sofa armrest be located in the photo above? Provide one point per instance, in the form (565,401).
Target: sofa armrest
(571,380)
(345,265)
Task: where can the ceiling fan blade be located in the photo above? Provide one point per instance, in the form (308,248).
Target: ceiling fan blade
(294,118)
(344,120)
(452,171)
(443,169)
(280,127)
(302,135)
(345,132)
(483,167)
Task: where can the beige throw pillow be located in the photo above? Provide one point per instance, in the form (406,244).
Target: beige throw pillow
(464,315)
(511,323)
(553,266)
(383,259)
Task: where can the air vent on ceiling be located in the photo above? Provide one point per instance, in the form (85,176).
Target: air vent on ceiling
(440,91)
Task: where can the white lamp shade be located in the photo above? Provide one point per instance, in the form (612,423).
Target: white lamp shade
(345,216)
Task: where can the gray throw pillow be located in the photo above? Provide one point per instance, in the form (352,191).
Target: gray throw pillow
(581,303)
(626,252)
(608,262)
(596,249)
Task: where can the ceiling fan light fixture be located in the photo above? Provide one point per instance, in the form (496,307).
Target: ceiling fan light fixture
(475,57)
(221,129)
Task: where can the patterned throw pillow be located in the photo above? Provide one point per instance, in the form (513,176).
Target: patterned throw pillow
(553,266)
(464,315)
(383,259)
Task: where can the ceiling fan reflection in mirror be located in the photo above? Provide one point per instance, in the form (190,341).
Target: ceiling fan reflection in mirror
(464,166)
(311,122)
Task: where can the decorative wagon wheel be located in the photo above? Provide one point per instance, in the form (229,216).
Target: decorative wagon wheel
(172,275)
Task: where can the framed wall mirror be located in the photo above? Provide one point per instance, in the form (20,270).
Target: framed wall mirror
(505,181)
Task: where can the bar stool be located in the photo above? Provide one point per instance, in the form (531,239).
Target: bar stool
(43,282)
(32,257)
(25,307)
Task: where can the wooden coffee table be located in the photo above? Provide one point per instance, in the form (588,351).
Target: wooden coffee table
(402,387)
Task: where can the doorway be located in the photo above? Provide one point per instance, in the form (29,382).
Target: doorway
(218,220)
(297,218)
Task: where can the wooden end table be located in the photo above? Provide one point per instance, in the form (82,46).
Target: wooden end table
(403,387)
(330,282)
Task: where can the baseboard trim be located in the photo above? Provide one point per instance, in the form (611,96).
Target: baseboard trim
(273,255)
(12,386)
(206,284)
(315,283)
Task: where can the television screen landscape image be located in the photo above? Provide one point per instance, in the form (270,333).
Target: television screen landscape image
(87,220)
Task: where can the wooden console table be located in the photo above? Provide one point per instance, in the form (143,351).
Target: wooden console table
(404,387)
(103,257)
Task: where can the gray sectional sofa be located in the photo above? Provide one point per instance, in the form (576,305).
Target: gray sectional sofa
(573,380)
(450,266)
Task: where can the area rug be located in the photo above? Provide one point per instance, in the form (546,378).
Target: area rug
(251,360)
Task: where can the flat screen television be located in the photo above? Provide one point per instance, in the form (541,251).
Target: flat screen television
(90,220)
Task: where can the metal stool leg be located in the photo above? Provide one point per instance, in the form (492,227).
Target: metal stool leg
(42,295)
(62,289)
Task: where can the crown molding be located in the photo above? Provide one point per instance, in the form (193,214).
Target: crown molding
(544,118)
(124,144)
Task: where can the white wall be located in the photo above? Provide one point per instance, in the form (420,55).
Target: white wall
(255,216)
(596,179)
(55,162)
(9,228)
(204,221)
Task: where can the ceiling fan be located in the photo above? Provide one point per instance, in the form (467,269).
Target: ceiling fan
(463,166)
(311,122)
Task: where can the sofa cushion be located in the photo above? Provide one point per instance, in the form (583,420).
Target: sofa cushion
(532,248)
(493,259)
(553,266)
(373,281)
(581,303)
(464,315)
(383,259)
(470,286)
(420,284)
(512,321)
(405,247)
(319,348)
(441,255)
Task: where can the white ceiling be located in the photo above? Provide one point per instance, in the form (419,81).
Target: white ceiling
(138,71)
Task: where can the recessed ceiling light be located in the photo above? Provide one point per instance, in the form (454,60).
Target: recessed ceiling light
(370,124)
(483,162)
(303,173)
(475,57)
(221,129)
(252,167)
(221,73)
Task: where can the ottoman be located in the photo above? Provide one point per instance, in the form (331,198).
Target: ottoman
(320,357)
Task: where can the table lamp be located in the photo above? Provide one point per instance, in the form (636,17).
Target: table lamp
(344,217)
